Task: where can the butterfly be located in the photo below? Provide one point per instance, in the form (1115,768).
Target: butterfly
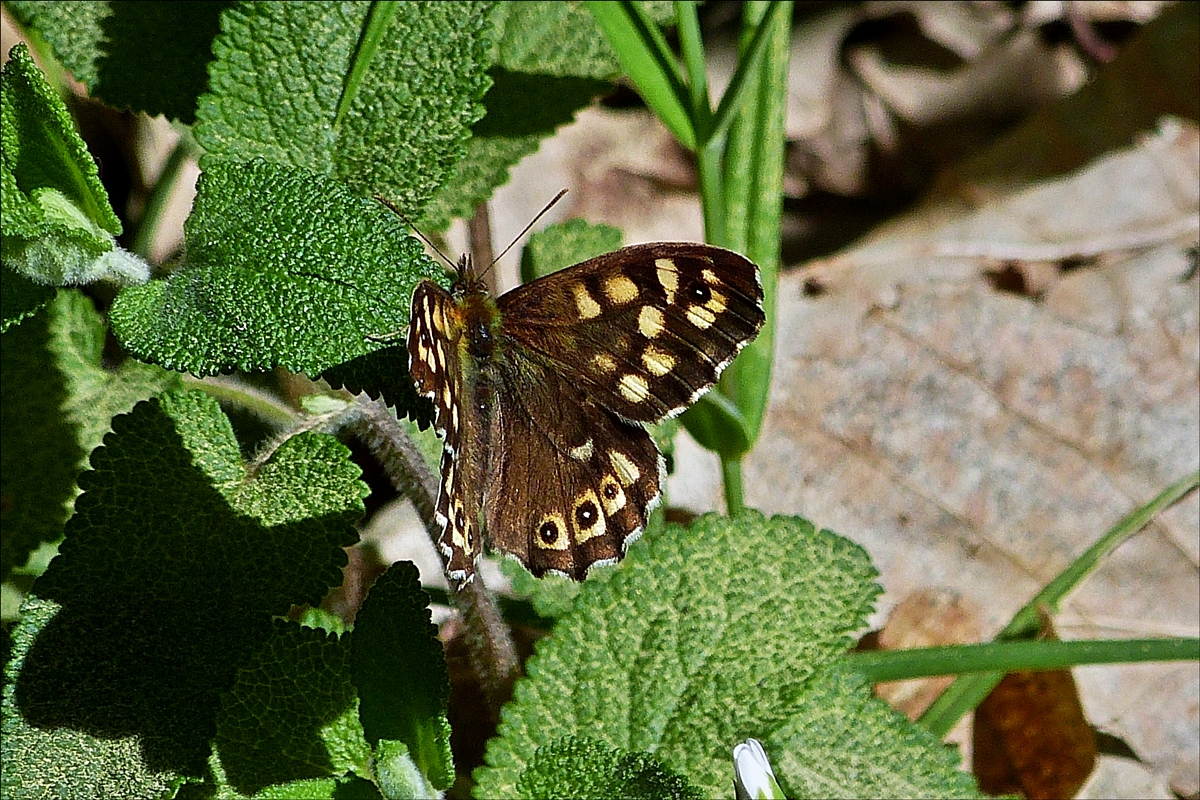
(542,395)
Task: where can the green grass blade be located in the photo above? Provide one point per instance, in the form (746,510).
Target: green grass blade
(647,60)
(735,93)
(966,693)
(1004,657)
(692,48)
(753,180)
(378,20)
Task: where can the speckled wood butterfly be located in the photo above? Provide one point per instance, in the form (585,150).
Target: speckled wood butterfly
(541,395)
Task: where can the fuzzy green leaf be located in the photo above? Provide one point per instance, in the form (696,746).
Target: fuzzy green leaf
(292,714)
(20,298)
(58,225)
(58,403)
(845,742)
(400,671)
(172,567)
(559,39)
(701,639)
(560,246)
(281,70)
(76,757)
(584,768)
(522,110)
(551,61)
(150,57)
(283,269)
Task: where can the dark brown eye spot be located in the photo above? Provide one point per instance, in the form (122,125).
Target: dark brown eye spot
(699,292)
(548,532)
(610,490)
(459,522)
(586,514)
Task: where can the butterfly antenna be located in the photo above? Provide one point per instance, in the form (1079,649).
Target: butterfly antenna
(532,222)
(415,230)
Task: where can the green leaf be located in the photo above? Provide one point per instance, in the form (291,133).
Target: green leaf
(716,424)
(72,756)
(700,640)
(551,61)
(58,403)
(585,768)
(20,298)
(398,774)
(845,742)
(563,245)
(283,269)
(150,57)
(58,225)
(550,37)
(350,787)
(292,713)
(281,71)
(753,201)
(522,110)
(172,567)
(400,671)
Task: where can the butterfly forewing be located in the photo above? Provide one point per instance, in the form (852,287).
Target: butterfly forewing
(541,395)
(646,329)
(436,361)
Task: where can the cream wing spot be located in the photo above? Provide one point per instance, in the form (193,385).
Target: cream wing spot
(584,302)
(657,362)
(583,452)
(650,322)
(460,535)
(620,290)
(604,362)
(627,472)
(668,277)
(634,388)
(701,316)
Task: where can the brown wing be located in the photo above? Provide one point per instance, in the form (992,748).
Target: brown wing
(644,330)
(570,484)
(435,356)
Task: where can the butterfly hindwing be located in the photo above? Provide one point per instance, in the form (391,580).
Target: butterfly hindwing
(571,484)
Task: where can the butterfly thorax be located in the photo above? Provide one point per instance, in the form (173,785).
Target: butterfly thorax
(479,317)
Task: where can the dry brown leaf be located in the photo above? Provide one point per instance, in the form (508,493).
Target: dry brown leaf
(979,441)
(1030,735)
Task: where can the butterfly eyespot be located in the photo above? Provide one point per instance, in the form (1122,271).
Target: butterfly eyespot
(612,496)
(548,533)
(700,293)
(459,521)
(586,514)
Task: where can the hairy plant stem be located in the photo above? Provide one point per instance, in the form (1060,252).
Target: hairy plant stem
(493,656)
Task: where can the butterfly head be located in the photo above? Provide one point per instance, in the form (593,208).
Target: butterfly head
(468,281)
